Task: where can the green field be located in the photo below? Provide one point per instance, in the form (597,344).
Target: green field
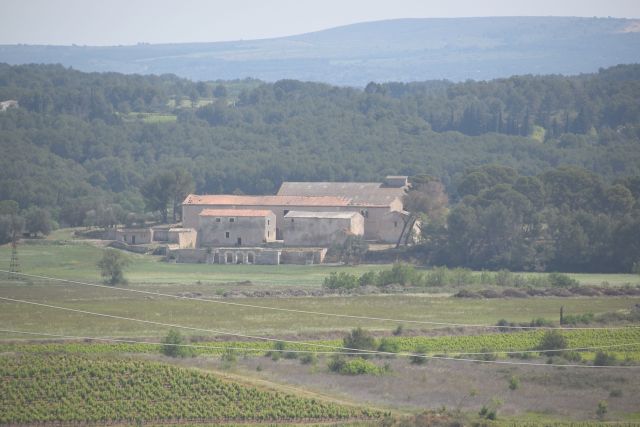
(626,342)
(76,260)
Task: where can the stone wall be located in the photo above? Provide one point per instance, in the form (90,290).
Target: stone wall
(303,256)
(236,231)
(321,230)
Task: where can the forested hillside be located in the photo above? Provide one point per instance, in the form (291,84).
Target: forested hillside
(93,148)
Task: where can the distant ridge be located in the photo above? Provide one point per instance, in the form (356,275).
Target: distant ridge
(394,50)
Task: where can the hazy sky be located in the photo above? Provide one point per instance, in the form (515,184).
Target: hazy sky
(113,22)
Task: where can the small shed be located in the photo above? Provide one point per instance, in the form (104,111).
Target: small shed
(135,236)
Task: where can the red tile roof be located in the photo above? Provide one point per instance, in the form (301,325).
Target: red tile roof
(236,212)
(232,200)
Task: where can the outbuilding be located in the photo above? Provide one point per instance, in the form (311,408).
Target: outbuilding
(308,228)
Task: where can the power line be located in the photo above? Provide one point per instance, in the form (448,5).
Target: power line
(355,350)
(318,313)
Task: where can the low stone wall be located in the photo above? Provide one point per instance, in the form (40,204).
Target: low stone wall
(194,256)
(260,256)
(303,256)
(139,249)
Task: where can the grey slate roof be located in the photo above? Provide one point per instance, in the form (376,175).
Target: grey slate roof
(324,215)
(364,193)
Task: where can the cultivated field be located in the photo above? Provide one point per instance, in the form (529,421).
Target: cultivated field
(543,392)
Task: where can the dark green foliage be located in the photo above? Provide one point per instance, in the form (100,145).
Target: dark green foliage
(340,280)
(352,250)
(88,149)
(552,340)
(356,366)
(604,359)
(578,319)
(37,221)
(400,274)
(602,409)
(566,219)
(418,355)
(112,266)
(309,359)
(561,280)
(514,383)
(359,339)
(487,354)
(389,346)
(174,345)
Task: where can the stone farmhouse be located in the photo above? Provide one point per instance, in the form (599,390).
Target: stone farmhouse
(296,225)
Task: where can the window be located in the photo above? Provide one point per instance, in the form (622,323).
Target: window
(232,219)
(395,224)
(292,220)
(268,222)
(268,233)
(217,219)
(226,234)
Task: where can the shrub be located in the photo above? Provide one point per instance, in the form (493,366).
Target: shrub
(309,359)
(575,319)
(602,409)
(278,349)
(604,359)
(561,280)
(173,345)
(552,340)
(514,383)
(398,331)
(572,356)
(400,273)
(359,339)
(356,366)
(488,354)
(539,322)
(388,346)
(615,393)
(502,325)
(290,355)
(112,266)
(229,356)
(436,277)
(341,280)
(370,278)
(418,355)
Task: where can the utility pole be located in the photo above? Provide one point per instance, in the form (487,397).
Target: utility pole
(14,266)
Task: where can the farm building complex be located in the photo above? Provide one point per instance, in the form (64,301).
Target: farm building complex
(296,225)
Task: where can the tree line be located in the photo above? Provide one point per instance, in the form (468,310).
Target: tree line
(84,148)
(564,219)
